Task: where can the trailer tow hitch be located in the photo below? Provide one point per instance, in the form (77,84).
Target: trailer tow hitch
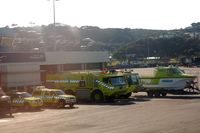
(192,87)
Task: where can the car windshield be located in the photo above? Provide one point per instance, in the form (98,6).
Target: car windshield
(25,95)
(60,92)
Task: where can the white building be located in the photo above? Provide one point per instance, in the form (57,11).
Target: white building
(24,70)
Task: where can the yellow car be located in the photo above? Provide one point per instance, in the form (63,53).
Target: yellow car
(25,100)
(55,97)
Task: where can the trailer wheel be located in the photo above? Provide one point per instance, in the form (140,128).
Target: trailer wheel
(157,94)
(163,94)
(149,93)
(97,96)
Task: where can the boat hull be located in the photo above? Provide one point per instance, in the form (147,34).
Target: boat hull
(166,83)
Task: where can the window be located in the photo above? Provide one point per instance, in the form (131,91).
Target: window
(132,79)
(117,81)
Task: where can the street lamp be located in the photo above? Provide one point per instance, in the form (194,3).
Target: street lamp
(54,12)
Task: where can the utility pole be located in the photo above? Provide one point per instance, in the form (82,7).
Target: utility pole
(54,13)
(54,21)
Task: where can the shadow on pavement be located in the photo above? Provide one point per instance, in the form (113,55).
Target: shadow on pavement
(116,102)
(141,99)
(5,116)
(182,97)
(19,110)
(170,97)
(66,107)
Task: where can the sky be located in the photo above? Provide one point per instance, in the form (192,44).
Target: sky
(146,14)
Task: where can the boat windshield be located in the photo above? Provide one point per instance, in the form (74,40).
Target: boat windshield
(177,71)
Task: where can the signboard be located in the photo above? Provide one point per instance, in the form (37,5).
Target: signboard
(21,57)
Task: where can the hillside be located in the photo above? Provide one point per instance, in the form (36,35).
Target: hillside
(120,42)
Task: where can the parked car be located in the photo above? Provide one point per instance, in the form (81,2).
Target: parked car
(25,100)
(54,97)
(5,103)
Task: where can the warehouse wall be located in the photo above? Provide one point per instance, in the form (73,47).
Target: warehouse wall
(76,57)
(17,75)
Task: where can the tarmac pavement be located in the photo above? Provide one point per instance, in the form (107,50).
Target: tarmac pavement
(139,114)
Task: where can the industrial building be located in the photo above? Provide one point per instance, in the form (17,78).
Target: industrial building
(24,70)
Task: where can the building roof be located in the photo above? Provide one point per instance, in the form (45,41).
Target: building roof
(68,57)
(76,57)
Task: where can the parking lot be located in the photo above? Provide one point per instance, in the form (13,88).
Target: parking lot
(139,114)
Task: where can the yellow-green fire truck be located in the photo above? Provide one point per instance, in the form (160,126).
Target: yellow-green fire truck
(88,85)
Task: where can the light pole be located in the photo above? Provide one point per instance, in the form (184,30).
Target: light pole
(54,12)
(54,21)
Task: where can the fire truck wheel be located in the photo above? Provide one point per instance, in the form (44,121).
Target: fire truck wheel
(97,96)
(128,95)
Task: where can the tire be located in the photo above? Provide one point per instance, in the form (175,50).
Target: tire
(149,93)
(38,108)
(157,94)
(27,106)
(128,95)
(97,96)
(163,94)
(71,105)
(61,104)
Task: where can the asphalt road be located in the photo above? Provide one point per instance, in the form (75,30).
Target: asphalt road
(139,114)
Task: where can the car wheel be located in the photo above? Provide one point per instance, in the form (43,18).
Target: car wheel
(61,104)
(71,105)
(27,106)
